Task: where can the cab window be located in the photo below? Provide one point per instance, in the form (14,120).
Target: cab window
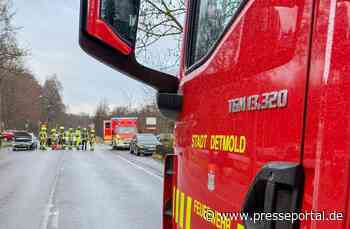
(210,22)
(107,125)
(122,21)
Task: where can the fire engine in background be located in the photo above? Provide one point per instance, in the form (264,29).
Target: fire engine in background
(124,129)
(261,104)
(107,131)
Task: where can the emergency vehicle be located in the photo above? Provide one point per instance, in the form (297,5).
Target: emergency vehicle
(107,131)
(261,104)
(124,129)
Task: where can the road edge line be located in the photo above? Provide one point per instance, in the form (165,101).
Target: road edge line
(139,167)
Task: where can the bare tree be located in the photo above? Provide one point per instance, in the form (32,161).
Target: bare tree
(21,101)
(10,54)
(101,114)
(53,107)
(159,20)
(75,120)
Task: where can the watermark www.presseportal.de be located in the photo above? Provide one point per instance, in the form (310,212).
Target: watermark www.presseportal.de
(285,216)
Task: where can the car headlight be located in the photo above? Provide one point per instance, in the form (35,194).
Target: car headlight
(141,146)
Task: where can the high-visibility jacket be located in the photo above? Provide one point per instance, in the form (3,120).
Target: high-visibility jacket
(42,135)
(84,136)
(78,135)
(70,135)
(66,136)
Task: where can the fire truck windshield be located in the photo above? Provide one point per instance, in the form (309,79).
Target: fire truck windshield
(126,130)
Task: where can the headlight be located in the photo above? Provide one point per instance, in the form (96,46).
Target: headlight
(140,146)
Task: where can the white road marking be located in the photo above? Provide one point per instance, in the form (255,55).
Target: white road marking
(48,214)
(139,167)
(54,219)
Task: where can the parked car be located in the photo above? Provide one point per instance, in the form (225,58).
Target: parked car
(7,135)
(24,141)
(144,144)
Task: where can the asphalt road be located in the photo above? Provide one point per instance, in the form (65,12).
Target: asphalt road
(103,189)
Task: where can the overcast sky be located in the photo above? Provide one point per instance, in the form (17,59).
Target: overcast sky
(49,28)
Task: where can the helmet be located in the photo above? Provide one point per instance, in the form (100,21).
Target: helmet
(78,128)
(43,128)
(53,130)
(84,129)
(92,131)
(70,129)
(61,127)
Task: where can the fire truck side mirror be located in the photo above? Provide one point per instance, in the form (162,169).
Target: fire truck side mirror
(108,30)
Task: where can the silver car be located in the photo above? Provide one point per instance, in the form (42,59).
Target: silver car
(24,141)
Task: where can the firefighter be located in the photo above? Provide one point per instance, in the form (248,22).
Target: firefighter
(65,139)
(61,137)
(54,138)
(84,139)
(43,138)
(77,138)
(70,136)
(92,139)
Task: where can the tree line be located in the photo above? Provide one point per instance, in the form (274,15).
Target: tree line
(24,102)
(147,109)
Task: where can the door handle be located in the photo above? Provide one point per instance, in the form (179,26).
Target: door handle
(277,188)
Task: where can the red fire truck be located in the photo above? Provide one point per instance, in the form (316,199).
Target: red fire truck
(261,104)
(124,129)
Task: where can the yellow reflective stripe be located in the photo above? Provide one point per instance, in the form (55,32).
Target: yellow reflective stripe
(240,226)
(174,196)
(188,212)
(182,205)
(177,206)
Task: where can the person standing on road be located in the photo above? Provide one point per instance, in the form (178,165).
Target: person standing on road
(54,139)
(43,138)
(65,139)
(70,138)
(92,139)
(84,139)
(61,137)
(77,138)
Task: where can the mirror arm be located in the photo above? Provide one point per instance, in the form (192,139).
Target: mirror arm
(160,81)
(170,104)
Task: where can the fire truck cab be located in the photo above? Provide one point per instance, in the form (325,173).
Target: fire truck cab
(124,129)
(261,104)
